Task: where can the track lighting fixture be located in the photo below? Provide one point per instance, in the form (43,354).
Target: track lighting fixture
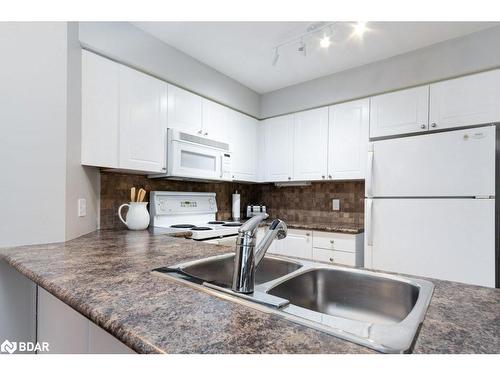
(313,29)
(302,48)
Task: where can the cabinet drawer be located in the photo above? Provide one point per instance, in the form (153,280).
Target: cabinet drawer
(334,241)
(339,257)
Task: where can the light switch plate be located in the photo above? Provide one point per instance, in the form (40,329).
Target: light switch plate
(82,207)
(335,204)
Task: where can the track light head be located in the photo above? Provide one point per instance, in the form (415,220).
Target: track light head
(302,48)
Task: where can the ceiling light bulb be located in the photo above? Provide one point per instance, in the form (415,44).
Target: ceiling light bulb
(275,57)
(360,28)
(325,41)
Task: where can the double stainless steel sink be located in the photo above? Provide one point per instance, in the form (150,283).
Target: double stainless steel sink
(377,310)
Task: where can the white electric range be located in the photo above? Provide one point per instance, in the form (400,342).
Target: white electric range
(177,211)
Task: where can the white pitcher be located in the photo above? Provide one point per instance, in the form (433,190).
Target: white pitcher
(137,217)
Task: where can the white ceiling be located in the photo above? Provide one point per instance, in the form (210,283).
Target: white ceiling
(244,50)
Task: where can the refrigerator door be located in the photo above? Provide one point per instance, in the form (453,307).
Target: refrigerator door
(443,238)
(458,163)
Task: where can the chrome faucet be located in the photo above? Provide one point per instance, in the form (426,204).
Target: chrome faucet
(249,255)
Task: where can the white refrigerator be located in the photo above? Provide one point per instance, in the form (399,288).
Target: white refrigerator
(430,205)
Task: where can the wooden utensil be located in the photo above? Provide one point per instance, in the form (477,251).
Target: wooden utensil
(141,195)
(132,194)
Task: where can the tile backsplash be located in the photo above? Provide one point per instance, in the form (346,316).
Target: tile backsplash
(305,204)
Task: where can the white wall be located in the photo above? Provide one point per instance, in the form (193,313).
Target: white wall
(81,182)
(33,132)
(39,123)
(128,44)
(468,54)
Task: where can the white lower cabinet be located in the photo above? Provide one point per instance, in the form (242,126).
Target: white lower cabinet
(297,243)
(329,247)
(17,306)
(332,256)
(69,332)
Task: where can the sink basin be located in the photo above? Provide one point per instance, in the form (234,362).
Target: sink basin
(219,270)
(377,310)
(350,295)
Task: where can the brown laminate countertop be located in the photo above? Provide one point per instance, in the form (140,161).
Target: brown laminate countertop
(106,276)
(336,228)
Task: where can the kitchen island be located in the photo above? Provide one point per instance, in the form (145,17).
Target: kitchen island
(106,276)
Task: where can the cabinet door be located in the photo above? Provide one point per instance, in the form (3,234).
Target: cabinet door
(348,140)
(297,243)
(470,100)
(243,139)
(399,112)
(17,306)
(101,342)
(310,153)
(279,148)
(184,110)
(336,257)
(216,119)
(100,109)
(63,328)
(142,121)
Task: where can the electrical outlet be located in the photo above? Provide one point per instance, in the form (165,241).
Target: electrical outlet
(82,207)
(335,204)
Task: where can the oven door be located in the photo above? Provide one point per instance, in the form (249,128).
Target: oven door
(194,161)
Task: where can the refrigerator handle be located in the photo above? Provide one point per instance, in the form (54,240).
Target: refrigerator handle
(369,172)
(368,222)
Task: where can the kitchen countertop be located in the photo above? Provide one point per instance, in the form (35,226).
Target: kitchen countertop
(337,228)
(106,276)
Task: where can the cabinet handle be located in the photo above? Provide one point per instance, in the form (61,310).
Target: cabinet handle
(329,176)
(323,177)
(289,178)
(331,259)
(434,125)
(200,131)
(206,134)
(308,234)
(422,126)
(164,169)
(332,241)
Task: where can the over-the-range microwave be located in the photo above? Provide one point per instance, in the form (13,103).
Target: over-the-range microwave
(192,156)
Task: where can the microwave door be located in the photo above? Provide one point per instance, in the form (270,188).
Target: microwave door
(195,161)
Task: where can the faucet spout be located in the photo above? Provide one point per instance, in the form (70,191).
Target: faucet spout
(248,255)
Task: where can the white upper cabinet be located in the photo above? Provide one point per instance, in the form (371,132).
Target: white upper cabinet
(143,121)
(184,110)
(348,140)
(216,121)
(399,112)
(100,111)
(243,132)
(310,145)
(278,134)
(470,100)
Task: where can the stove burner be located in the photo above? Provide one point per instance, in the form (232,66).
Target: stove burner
(232,225)
(183,226)
(201,228)
(216,222)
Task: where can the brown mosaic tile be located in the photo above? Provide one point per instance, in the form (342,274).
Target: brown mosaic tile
(301,204)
